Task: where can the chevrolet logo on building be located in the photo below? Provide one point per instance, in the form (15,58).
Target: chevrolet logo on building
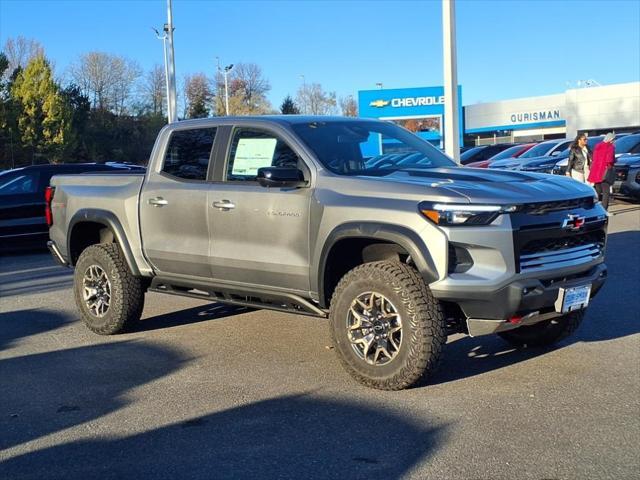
(379,103)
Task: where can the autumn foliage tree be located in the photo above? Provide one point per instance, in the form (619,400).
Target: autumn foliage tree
(44,119)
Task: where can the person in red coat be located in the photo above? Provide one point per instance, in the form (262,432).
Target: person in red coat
(602,174)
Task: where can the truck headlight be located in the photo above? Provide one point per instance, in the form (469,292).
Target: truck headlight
(450,214)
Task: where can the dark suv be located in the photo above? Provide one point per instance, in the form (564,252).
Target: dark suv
(22,202)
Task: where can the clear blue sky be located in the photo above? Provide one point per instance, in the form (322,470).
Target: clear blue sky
(506,49)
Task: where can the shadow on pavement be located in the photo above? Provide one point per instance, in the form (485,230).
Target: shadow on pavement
(25,323)
(48,392)
(612,314)
(290,437)
(29,282)
(203,313)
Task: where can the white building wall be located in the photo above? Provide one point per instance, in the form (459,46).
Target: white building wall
(595,108)
(510,113)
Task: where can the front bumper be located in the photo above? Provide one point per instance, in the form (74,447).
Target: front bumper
(523,296)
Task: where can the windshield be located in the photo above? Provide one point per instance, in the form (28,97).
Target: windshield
(508,153)
(368,148)
(537,151)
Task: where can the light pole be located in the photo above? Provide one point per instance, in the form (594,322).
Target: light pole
(225,71)
(171,69)
(166,64)
(451,120)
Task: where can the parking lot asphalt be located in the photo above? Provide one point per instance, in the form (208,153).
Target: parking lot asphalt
(208,391)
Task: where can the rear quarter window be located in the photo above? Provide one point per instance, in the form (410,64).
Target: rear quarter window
(188,153)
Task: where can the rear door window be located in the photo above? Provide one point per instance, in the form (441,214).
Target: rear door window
(188,153)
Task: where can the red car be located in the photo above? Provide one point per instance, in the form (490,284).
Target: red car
(512,152)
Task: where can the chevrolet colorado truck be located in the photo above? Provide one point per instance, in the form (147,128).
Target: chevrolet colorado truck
(356,220)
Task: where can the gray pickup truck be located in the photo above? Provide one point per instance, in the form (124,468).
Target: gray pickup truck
(356,220)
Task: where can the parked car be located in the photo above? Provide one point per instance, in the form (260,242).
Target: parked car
(627,145)
(285,213)
(511,152)
(22,201)
(623,143)
(482,152)
(627,182)
(547,150)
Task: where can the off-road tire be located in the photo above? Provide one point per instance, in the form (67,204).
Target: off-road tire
(545,333)
(423,325)
(127,292)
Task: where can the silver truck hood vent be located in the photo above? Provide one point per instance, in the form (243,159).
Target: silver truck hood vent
(487,186)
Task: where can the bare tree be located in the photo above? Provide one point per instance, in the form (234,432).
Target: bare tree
(198,95)
(154,90)
(313,100)
(348,106)
(106,79)
(20,51)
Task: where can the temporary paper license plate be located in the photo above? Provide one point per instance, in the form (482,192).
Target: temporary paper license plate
(573,298)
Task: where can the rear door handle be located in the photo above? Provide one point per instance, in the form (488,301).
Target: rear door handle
(158,202)
(224,205)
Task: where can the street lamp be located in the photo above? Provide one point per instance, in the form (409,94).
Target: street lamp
(225,71)
(166,63)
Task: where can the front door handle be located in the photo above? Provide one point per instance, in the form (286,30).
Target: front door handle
(158,202)
(224,205)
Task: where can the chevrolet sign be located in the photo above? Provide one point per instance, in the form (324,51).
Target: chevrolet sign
(379,103)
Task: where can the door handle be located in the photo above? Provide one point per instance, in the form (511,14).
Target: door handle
(224,205)
(158,202)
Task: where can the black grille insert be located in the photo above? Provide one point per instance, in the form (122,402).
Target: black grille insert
(544,245)
(547,207)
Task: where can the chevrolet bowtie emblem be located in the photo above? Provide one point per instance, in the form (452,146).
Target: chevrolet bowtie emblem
(379,103)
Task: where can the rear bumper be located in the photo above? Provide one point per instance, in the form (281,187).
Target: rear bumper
(55,252)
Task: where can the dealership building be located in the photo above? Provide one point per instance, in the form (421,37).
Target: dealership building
(593,110)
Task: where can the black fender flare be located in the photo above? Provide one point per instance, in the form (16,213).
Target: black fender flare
(108,219)
(403,236)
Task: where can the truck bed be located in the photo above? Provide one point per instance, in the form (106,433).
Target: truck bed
(117,194)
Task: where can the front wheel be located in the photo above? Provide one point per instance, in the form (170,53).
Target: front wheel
(108,295)
(545,333)
(386,326)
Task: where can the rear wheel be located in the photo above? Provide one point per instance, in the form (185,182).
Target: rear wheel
(386,326)
(108,295)
(545,333)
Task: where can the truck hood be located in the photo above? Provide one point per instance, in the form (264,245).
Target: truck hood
(491,186)
(628,160)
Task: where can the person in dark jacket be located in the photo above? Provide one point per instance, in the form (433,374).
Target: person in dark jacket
(602,174)
(579,159)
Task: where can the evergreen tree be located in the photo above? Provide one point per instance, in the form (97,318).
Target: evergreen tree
(289,107)
(44,119)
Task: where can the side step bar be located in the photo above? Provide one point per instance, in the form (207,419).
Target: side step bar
(254,298)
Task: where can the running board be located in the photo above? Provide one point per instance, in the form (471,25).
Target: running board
(253,298)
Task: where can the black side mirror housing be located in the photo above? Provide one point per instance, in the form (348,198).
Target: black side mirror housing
(280,177)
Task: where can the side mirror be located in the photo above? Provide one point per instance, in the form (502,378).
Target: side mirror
(556,153)
(280,177)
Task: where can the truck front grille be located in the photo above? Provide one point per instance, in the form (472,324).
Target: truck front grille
(543,208)
(549,253)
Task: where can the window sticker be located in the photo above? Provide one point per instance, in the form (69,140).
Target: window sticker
(252,154)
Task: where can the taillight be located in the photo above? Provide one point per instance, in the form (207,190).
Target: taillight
(48,198)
